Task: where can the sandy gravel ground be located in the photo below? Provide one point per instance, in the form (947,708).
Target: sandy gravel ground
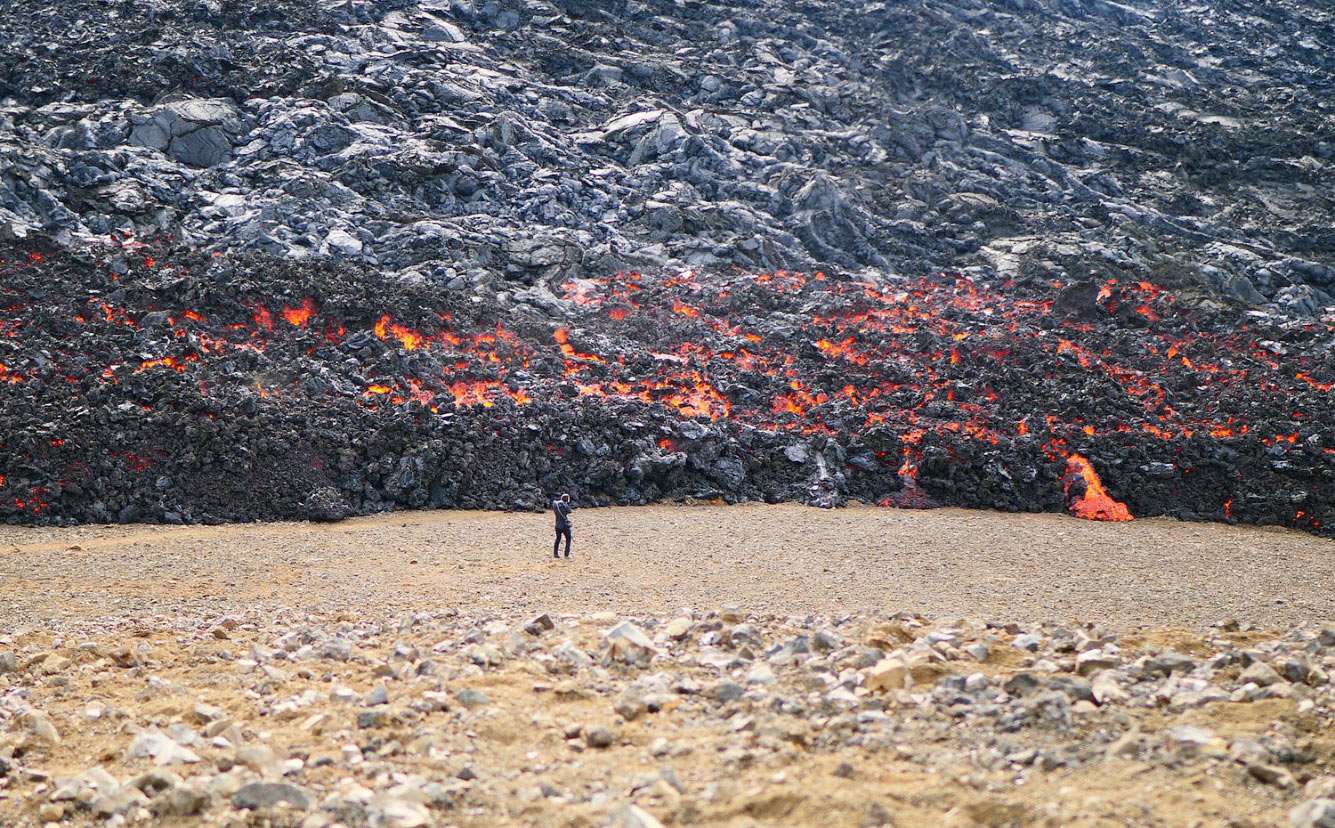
(783,559)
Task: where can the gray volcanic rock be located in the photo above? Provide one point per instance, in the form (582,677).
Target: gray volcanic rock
(195,132)
(474,143)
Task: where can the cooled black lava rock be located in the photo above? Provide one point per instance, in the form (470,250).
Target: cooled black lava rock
(509,147)
(165,384)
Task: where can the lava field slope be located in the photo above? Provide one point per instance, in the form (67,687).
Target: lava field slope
(499,145)
(165,384)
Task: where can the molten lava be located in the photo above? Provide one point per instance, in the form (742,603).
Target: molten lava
(409,338)
(300,316)
(927,376)
(1095,503)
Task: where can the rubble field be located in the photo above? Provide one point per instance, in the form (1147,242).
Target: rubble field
(440,669)
(725,718)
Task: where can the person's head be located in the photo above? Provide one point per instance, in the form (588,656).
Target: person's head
(565,498)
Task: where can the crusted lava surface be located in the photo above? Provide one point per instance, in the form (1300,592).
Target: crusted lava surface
(158,383)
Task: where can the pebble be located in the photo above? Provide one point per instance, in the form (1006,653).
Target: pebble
(598,737)
(259,795)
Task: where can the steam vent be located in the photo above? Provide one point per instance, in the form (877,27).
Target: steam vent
(312,260)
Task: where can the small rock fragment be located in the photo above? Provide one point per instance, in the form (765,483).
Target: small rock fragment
(598,737)
(259,795)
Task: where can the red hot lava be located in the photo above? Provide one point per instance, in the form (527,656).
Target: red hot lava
(1093,501)
(927,372)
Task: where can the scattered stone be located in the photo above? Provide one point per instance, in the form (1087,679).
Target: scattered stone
(1318,813)
(207,713)
(1271,775)
(627,643)
(1022,684)
(39,724)
(630,706)
(259,758)
(678,629)
(633,816)
(153,743)
(540,624)
(1092,661)
(1191,741)
(598,737)
(726,691)
(259,795)
(888,674)
(761,674)
(825,641)
(1261,674)
(1027,641)
(471,697)
(376,696)
(1167,663)
(925,701)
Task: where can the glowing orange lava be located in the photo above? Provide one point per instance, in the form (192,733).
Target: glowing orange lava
(1095,503)
(175,363)
(300,315)
(409,338)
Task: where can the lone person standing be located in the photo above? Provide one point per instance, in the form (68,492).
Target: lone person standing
(561,506)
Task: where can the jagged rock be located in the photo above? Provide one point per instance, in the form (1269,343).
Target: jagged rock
(1092,661)
(196,132)
(888,674)
(1318,813)
(627,643)
(1106,689)
(153,743)
(259,795)
(540,624)
(39,724)
(633,816)
(727,142)
(207,713)
(1260,673)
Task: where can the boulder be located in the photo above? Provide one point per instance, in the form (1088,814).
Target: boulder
(197,132)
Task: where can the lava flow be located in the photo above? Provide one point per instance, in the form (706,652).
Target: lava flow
(946,389)
(1091,501)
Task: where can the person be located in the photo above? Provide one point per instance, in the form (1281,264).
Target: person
(561,506)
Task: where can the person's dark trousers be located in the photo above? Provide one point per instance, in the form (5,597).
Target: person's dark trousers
(561,531)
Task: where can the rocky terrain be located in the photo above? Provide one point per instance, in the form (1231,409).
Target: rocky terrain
(483,145)
(786,704)
(325,258)
(440,669)
(295,718)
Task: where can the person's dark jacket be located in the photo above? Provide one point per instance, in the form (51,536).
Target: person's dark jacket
(562,510)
